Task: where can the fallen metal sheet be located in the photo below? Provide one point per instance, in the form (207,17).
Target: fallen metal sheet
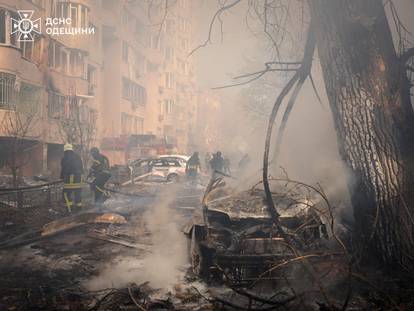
(74,221)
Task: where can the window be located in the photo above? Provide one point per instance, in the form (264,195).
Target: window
(125,88)
(29,98)
(2,26)
(64,60)
(169,54)
(126,123)
(5,31)
(133,92)
(78,13)
(169,80)
(131,124)
(55,54)
(76,63)
(56,105)
(32,50)
(124,52)
(182,24)
(91,77)
(84,16)
(39,3)
(13,37)
(140,65)
(138,125)
(7,92)
(168,106)
(125,17)
(74,14)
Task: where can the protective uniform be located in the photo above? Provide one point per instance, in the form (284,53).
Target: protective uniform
(99,174)
(217,164)
(193,164)
(71,174)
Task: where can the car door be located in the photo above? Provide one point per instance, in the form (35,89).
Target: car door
(159,169)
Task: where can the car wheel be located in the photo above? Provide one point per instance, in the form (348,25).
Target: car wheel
(172,177)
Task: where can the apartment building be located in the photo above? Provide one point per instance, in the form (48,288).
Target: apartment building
(129,86)
(150,74)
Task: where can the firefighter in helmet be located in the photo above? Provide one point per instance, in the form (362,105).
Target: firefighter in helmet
(99,174)
(193,165)
(71,174)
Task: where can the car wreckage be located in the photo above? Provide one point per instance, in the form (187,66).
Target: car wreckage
(236,238)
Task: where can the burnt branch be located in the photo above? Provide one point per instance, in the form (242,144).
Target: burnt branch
(299,77)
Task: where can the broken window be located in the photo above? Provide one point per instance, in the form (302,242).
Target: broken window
(7,92)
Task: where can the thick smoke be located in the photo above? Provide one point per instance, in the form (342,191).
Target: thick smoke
(161,265)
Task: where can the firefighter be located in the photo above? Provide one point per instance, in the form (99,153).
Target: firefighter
(193,165)
(217,164)
(71,174)
(99,174)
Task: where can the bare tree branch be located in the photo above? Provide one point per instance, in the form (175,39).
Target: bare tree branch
(216,16)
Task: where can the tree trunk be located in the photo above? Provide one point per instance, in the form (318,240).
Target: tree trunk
(368,94)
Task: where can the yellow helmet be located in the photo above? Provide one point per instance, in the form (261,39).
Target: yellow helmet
(67,147)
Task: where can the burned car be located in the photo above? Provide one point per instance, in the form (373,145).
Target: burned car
(236,236)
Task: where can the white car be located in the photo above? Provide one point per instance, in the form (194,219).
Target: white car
(162,168)
(168,168)
(182,158)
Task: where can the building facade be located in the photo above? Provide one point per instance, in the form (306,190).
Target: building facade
(128,81)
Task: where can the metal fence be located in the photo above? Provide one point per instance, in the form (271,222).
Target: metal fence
(32,196)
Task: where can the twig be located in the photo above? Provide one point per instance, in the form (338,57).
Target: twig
(134,301)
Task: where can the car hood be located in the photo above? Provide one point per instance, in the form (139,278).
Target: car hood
(253,205)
